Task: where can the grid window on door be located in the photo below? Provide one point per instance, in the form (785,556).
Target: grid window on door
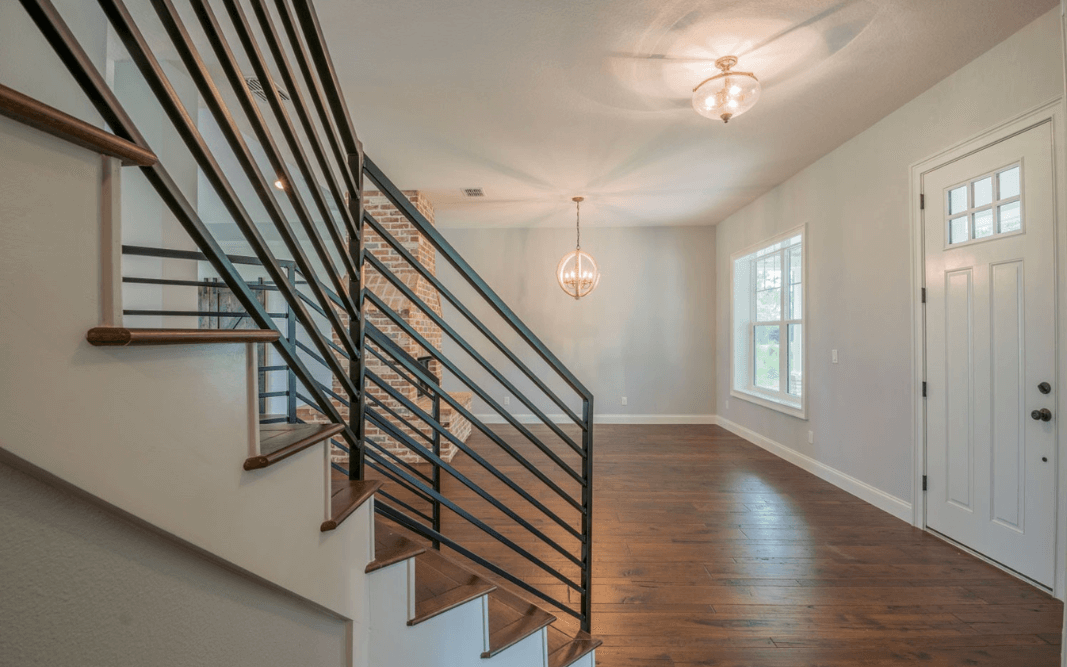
(768,323)
(985,207)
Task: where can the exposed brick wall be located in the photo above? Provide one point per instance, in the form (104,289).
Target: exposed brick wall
(398,226)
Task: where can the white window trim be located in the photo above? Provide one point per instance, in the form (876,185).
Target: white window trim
(751,393)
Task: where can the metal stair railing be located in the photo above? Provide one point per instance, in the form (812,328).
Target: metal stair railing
(289,173)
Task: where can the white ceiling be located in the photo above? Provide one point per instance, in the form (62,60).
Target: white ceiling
(540,100)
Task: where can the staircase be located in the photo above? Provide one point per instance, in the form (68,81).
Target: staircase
(429,563)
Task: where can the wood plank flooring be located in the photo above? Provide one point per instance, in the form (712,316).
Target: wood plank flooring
(710,551)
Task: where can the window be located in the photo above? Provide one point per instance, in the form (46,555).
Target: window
(985,207)
(768,324)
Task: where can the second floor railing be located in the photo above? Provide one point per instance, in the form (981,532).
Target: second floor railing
(372,335)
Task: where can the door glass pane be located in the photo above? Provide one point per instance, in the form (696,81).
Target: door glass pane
(769,288)
(1009,183)
(766,350)
(1010,219)
(957,230)
(983,223)
(796,359)
(957,200)
(983,192)
(795,273)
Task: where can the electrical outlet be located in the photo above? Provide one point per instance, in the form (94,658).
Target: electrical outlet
(833,356)
(507,400)
(811,437)
(624,400)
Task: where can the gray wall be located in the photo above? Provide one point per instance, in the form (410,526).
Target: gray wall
(860,293)
(646,333)
(84,587)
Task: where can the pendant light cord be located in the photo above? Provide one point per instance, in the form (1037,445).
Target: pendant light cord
(578,224)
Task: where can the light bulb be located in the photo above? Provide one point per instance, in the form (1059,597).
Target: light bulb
(732,104)
(278,184)
(734,90)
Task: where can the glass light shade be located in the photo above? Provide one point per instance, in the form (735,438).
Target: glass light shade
(577,274)
(726,95)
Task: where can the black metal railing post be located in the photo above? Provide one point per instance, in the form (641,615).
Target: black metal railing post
(436,468)
(290,407)
(587,515)
(358,365)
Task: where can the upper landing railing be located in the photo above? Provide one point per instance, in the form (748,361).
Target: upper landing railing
(254,107)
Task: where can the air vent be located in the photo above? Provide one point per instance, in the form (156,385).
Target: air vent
(473,192)
(257,89)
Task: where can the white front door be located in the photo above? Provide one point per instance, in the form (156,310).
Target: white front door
(991,352)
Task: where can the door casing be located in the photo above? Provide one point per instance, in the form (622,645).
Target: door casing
(1051,112)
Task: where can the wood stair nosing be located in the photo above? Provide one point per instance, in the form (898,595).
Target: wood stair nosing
(127,337)
(391,548)
(283,440)
(582,645)
(348,496)
(439,604)
(530,619)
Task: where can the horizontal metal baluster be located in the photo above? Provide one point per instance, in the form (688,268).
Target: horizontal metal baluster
(396,369)
(416,527)
(422,342)
(393,413)
(190,283)
(170,253)
(92,83)
(447,294)
(281,116)
(315,90)
(212,97)
(469,274)
(186,127)
(478,458)
(397,501)
(404,464)
(485,528)
(410,295)
(296,97)
(377,447)
(427,454)
(198,313)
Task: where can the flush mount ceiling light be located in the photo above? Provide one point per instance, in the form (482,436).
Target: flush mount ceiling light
(577,273)
(728,93)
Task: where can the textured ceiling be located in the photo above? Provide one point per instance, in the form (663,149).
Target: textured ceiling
(536,102)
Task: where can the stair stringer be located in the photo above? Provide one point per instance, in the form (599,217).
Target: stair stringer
(455,638)
(160,433)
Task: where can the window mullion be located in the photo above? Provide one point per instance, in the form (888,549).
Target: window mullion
(783,333)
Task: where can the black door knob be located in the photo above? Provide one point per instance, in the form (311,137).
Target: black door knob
(1044,388)
(1042,415)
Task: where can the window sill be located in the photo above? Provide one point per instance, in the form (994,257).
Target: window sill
(791,409)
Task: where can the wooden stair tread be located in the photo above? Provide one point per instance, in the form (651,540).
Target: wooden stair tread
(512,619)
(125,337)
(578,647)
(278,442)
(348,495)
(45,118)
(391,547)
(442,584)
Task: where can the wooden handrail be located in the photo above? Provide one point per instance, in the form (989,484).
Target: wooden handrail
(39,115)
(122,337)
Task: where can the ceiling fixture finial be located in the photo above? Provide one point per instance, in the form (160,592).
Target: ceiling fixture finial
(728,93)
(577,273)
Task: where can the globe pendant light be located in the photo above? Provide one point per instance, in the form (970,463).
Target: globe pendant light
(577,273)
(727,94)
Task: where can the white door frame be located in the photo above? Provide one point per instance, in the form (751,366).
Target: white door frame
(1050,112)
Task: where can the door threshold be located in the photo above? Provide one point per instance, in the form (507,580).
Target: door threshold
(986,559)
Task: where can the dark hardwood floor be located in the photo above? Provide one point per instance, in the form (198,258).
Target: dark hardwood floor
(710,551)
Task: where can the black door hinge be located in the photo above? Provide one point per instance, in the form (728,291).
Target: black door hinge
(924,482)
(924,295)
(922,202)
(924,389)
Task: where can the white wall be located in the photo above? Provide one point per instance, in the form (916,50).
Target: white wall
(83,586)
(860,290)
(646,333)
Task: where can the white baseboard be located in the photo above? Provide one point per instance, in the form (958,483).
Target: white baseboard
(601,418)
(884,501)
